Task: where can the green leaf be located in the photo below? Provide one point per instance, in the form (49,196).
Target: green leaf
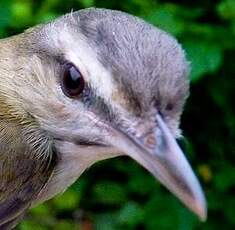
(165,20)
(87,3)
(30,224)
(67,201)
(110,193)
(106,221)
(47,17)
(161,212)
(42,210)
(222,181)
(143,184)
(204,57)
(131,214)
(64,225)
(226,9)
(5,14)
(229,210)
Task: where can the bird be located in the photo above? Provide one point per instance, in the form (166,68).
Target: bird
(91,85)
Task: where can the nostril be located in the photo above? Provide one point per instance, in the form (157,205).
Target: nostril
(151,141)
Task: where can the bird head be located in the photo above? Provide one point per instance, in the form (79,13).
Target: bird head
(92,85)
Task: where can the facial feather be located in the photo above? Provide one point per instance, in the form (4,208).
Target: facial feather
(135,86)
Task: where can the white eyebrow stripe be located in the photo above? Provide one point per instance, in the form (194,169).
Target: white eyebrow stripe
(77,51)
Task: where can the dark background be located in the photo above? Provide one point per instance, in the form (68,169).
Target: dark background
(119,194)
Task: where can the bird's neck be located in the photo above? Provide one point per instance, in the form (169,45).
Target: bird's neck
(73,161)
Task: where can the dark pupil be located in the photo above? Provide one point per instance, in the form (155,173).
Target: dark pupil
(73,81)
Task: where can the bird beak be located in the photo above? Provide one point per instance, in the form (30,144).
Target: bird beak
(165,160)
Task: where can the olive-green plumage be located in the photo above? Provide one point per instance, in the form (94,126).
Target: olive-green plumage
(26,153)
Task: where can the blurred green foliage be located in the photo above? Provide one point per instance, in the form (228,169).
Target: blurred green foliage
(119,194)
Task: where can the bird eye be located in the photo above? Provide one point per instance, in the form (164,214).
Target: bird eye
(72,82)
